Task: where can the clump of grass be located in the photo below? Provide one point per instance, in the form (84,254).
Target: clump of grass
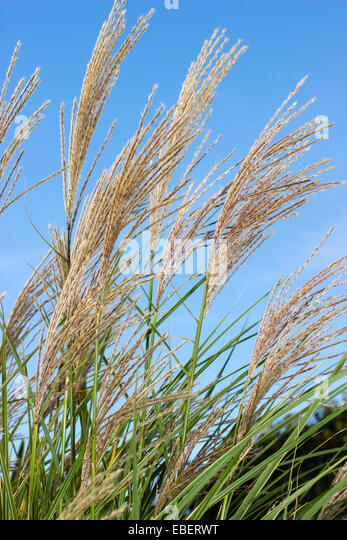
(120,422)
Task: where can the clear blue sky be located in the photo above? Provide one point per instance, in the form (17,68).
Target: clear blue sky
(287,39)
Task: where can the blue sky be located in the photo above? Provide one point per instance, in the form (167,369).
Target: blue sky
(287,39)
